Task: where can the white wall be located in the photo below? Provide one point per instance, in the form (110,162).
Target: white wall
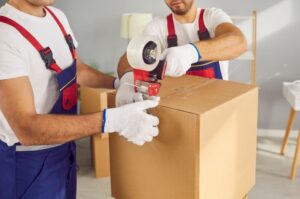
(96,24)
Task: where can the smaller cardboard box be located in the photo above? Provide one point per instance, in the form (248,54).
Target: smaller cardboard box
(92,101)
(206,148)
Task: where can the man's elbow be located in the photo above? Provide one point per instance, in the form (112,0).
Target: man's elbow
(26,142)
(239,46)
(243,44)
(26,133)
(26,138)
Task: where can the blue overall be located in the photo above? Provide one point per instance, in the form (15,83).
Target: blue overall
(208,69)
(48,173)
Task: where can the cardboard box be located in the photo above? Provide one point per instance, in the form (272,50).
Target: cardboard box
(206,148)
(91,101)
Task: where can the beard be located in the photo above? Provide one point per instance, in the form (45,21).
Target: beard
(182,9)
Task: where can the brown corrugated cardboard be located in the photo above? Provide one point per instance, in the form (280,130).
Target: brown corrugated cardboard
(95,100)
(206,148)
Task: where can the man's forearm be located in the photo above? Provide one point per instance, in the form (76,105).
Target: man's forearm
(225,46)
(57,129)
(123,66)
(90,77)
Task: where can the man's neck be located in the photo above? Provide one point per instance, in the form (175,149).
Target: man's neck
(28,8)
(189,17)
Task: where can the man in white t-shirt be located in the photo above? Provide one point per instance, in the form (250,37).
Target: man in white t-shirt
(39,72)
(198,42)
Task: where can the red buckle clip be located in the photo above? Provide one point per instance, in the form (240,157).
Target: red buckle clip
(172,40)
(70,42)
(47,57)
(203,35)
(71,45)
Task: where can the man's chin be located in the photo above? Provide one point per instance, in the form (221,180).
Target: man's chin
(50,3)
(47,3)
(179,11)
(38,4)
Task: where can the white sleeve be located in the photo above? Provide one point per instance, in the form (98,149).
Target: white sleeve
(214,17)
(64,20)
(12,62)
(154,28)
(151,29)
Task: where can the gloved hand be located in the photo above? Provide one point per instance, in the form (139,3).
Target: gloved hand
(132,121)
(126,93)
(179,59)
(116,83)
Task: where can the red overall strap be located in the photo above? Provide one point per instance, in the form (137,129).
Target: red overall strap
(202,32)
(172,37)
(202,27)
(45,53)
(67,36)
(171,27)
(57,21)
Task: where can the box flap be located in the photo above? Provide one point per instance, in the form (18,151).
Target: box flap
(199,95)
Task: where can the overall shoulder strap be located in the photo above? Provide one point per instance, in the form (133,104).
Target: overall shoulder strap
(203,33)
(45,53)
(172,37)
(67,36)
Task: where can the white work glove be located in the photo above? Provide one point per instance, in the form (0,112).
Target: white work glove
(116,83)
(132,121)
(179,59)
(125,92)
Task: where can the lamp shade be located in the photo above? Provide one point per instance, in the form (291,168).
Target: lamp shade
(133,24)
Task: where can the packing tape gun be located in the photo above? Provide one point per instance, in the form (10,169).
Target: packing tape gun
(143,54)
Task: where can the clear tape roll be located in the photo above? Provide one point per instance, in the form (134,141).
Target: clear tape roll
(144,52)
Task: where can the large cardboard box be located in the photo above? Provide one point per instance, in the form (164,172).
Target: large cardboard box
(206,148)
(91,101)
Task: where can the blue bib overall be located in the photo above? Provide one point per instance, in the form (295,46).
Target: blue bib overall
(48,173)
(208,69)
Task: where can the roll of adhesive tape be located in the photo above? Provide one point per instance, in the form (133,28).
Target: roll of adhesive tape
(143,52)
(296,85)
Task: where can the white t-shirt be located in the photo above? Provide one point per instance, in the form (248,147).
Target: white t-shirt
(188,32)
(19,58)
